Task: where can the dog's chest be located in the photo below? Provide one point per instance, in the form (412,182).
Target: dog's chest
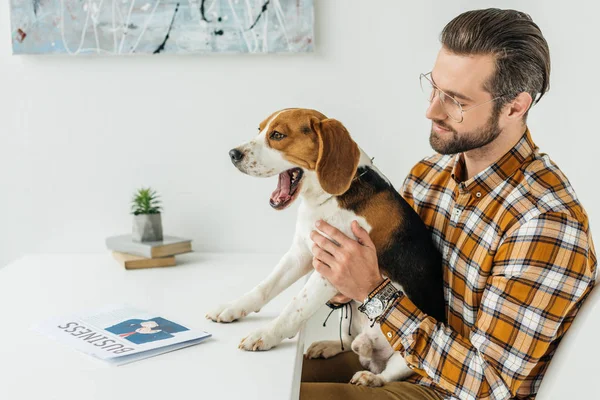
(332,214)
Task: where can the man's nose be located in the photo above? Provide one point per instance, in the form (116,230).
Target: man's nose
(436,110)
(236,155)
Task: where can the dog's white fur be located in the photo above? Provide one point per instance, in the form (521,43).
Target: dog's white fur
(376,354)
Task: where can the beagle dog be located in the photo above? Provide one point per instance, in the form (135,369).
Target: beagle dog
(317,160)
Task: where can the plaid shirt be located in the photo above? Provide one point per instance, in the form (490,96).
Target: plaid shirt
(518,262)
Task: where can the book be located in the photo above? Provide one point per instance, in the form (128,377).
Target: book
(169,246)
(120,334)
(130,261)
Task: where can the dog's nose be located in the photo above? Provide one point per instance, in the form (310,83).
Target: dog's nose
(236,155)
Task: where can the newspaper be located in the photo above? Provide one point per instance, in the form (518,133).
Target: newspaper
(120,334)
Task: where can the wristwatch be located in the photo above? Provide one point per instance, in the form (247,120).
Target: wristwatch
(378,300)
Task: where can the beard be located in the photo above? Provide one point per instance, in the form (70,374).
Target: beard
(454,143)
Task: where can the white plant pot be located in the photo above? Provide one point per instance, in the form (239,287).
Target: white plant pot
(147,228)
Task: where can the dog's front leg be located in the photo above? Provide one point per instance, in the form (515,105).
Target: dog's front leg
(316,292)
(296,263)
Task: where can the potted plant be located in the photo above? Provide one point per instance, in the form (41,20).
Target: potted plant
(147,222)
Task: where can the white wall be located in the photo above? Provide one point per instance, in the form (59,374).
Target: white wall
(77,135)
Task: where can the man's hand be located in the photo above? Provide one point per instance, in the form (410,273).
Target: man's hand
(350,265)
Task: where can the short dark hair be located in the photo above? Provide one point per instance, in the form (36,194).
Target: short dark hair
(521,52)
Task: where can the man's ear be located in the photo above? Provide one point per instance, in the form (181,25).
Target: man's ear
(338,156)
(520,105)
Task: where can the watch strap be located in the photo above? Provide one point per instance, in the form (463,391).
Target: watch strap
(361,308)
(386,292)
(379,287)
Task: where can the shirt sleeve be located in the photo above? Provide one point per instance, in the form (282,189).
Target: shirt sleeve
(540,276)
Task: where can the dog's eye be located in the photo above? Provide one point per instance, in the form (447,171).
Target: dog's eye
(277,136)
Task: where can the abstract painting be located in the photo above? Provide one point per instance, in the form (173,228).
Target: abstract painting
(121,27)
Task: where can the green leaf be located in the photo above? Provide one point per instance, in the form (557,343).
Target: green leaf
(145,201)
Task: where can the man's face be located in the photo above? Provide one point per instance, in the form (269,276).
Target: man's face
(463,77)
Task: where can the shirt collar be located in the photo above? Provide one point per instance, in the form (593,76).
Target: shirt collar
(492,176)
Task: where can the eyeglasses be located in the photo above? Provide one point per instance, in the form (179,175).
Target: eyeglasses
(450,105)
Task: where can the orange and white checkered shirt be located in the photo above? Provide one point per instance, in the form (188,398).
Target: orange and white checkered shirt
(518,262)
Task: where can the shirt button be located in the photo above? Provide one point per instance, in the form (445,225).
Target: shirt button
(478,194)
(389,334)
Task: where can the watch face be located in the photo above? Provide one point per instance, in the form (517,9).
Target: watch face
(374,308)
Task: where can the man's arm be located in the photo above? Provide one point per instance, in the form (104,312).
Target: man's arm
(540,276)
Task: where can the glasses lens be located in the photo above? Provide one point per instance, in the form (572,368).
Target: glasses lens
(427,88)
(452,107)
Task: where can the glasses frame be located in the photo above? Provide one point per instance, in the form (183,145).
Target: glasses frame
(436,93)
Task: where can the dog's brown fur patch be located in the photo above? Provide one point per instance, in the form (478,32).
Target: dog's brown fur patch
(380,210)
(301,146)
(338,156)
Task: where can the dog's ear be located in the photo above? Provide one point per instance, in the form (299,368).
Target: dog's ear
(337,158)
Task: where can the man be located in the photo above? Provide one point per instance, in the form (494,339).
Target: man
(518,256)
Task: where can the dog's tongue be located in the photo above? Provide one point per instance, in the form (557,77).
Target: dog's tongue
(282,193)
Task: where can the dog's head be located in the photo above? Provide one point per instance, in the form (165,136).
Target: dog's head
(302,146)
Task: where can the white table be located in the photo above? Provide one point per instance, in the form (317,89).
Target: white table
(39,286)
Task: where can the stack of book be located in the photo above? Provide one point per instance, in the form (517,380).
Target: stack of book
(136,255)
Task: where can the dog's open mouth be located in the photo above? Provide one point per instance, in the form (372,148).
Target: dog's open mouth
(287,188)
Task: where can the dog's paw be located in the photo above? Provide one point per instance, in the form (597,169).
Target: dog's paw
(367,378)
(363,346)
(259,340)
(226,313)
(324,349)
